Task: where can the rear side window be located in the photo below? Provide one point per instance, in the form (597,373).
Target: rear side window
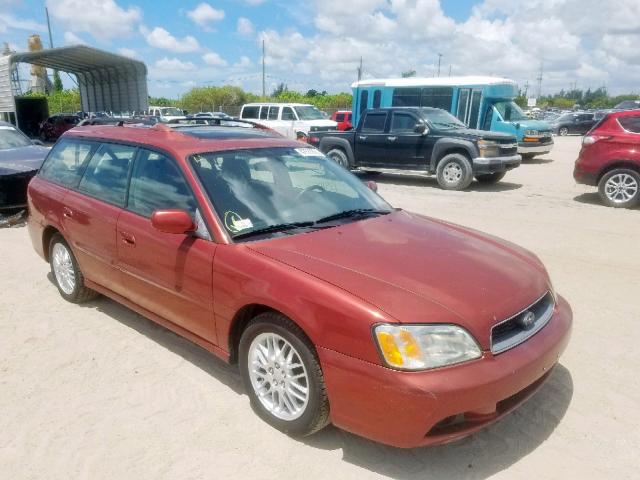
(273,113)
(66,161)
(250,112)
(631,124)
(374,122)
(264,111)
(287,113)
(403,122)
(106,175)
(156,184)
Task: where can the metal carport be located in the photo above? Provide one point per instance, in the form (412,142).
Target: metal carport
(107,82)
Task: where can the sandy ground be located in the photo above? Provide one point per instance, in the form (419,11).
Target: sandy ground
(96,391)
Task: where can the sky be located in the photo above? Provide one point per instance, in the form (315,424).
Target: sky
(318,44)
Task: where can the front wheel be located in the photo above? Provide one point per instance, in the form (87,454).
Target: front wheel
(490,177)
(563,132)
(454,172)
(282,375)
(340,157)
(620,188)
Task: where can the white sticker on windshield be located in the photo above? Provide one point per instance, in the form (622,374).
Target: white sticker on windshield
(235,223)
(5,127)
(243,224)
(309,152)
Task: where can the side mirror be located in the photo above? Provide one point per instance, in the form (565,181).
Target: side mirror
(371,185)
(172,221)
(421,128)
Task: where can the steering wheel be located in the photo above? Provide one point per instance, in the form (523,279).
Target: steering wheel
(311,188)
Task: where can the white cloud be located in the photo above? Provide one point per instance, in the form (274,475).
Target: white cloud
(214,60)
(174,64)
(71,38)
(245,27)
(10,22)
(128,52)
(103,19)
(160,38)
(204,14)
(244,62)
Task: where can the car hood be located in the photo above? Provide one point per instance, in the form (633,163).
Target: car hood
(477,134)
(419,270)
(23,159)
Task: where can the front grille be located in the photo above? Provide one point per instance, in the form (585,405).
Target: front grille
(515,330)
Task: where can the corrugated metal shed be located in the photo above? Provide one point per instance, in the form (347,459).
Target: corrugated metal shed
(107,82)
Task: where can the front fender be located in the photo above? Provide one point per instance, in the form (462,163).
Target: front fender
(445,144)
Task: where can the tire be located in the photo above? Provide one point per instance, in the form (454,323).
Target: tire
(340,157)
(489,178)
(313,415)
(63,266)
(454,172)
(620,188)
(563,131)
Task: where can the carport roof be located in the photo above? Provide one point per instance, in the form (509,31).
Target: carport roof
(78,59)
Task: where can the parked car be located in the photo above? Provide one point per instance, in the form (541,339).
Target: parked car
(293,120)
(424,139)
(165,114)
(628,105)
(56,125)
(579,123)
(20,159)
(610,159)
(337,307)
(211,115)
(343,119)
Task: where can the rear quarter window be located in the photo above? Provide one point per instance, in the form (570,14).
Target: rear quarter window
(630,124)
(66,162)
(250,112)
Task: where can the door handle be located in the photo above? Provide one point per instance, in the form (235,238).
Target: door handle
(362,137)
(392,139)
(128,238)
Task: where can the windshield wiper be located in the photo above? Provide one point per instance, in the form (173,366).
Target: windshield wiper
(281,227)
(356,212)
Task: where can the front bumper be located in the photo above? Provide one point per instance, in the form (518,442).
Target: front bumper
(410,409)
(537,148)
(495,164)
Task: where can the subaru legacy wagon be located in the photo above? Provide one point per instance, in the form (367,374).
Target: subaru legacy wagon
(402,328)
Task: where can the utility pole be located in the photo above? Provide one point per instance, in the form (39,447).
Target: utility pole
(264,93)
(360,70)
(46,11)
(540,80)
(439,59)
(526,89)
(449,69)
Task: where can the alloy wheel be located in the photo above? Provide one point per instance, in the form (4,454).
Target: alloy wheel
(621,188)
(63,268)
(278,376)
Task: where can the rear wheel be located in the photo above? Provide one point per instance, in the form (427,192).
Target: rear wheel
(282,375)
(454,172)
(340,157)
(563,131)
(620,188)
(66,273)
(490,177)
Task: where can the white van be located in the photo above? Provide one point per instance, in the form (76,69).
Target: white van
(166,113)
(293,120)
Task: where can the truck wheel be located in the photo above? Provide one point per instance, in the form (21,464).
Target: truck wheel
(620,188)
(454,172)
(490,177)
(340,157)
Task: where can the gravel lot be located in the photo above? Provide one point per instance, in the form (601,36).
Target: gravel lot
(97,391)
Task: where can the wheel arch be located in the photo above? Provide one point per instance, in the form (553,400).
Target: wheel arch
(628,164)
(47,234)
(448,146)
(343,144)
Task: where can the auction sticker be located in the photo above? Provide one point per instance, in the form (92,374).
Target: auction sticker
(309,152)
(235,223)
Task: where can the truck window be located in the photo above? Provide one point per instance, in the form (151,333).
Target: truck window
(264,112)
(377,96)
(403,122)
(374,122)
(287,113)
(364,100)
(250,112)
(273,112)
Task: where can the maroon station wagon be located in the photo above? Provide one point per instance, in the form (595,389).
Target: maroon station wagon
(338,308)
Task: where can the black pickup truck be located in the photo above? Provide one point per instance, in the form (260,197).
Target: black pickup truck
(428,140)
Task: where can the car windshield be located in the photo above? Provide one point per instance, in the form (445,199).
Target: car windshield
(171,112)
(510,111)
(308,113)
(276,191)
(12,138)
(441,119)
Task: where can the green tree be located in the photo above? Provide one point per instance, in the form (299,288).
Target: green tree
(408,73)
(57,82)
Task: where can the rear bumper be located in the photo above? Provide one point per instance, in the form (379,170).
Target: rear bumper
(410,409)
(495,164)
(585,177)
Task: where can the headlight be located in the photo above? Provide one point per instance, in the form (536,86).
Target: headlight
(420,347)
(531,133)
(488,148)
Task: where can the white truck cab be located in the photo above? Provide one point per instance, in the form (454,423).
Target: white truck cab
(166,114)
(293,120)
